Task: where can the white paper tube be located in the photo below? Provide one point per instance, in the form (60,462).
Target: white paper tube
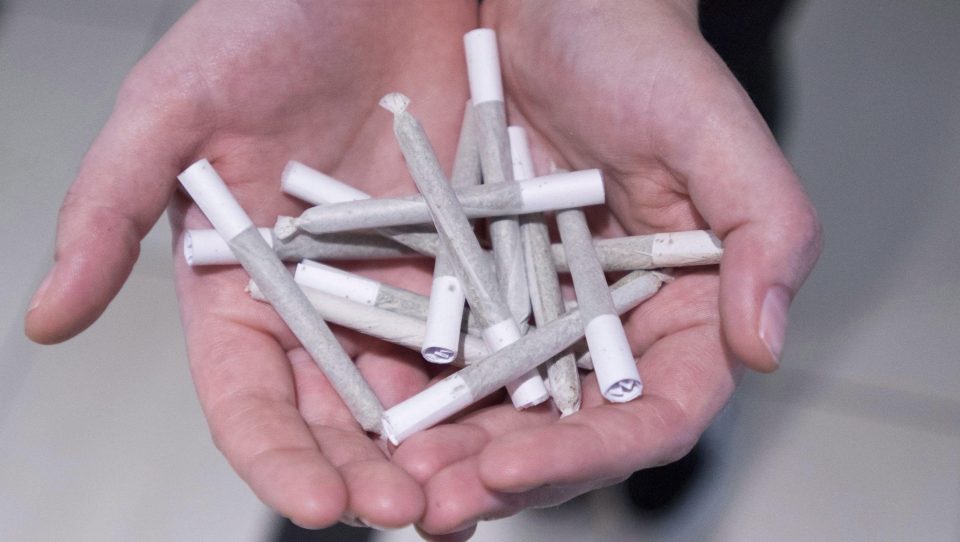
(566,190)
(336,282)
(312,186)
(483,66)
(258,259)
(527,390)
(210,193)
(426,409)
(442,339)
(208,247)
(612,359)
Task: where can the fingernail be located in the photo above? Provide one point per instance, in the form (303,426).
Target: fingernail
(41,290)
(773,320)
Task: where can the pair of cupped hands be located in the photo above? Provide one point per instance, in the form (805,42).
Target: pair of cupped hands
(629,86)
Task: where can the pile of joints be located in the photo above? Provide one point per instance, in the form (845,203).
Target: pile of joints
(478,313)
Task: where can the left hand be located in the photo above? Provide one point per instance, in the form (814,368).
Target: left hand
(633,88)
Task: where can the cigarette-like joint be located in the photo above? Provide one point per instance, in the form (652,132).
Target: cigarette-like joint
(333,281)
(483,66)
(395,103)
(441,341)
(562,191)
(286,227)
(207,247)
(426,409)
(312,186)
(613,361)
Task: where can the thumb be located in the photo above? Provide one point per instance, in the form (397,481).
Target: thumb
(122,188)
(744,188)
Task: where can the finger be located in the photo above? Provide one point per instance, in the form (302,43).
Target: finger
(379,493)
(246,389)
(430,451)
(749,195)
(458,499)
(121,190)
(458,536)
(687,378)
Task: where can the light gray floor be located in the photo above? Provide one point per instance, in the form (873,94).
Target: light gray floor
(856,438)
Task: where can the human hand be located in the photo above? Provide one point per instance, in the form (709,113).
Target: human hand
(633,88)
(250,85)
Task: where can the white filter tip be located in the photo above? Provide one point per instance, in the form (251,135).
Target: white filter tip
(501,334)
(337,282)
(625,390)
(483,66)
(426,409)
(528,390)
(613,361)
(395,103)
(213,197)
(562,191)
(314,187)
(208,247)
(441,342)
